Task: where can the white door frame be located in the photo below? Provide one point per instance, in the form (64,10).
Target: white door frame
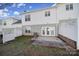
(50,29)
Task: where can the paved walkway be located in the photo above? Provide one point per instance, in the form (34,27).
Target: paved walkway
(49,41)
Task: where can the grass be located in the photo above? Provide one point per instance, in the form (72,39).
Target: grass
(22,46)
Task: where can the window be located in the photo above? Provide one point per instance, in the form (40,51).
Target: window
(27,18)
(47,13)
(52,32)
(27,31)
(69,7)
(47,31)
(43,32)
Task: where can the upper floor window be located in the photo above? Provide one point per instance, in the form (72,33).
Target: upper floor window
(69,7)
(27,31)
(47,13)
(27,18)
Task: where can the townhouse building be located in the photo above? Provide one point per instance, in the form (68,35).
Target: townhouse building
(60,21)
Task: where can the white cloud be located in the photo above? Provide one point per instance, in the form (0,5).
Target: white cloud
(3,14)
(16,13)
(30,7)
(5,9)
(27,10)
(0,4)
(53,5)
(20,4)
(14,5)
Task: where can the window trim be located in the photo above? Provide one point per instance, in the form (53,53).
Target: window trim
(69,7)
(47,13)
(28,18)
(27,31)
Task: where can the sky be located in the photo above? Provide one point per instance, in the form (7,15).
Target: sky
(13,9)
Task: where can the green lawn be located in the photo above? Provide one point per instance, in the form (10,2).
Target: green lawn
(22,46)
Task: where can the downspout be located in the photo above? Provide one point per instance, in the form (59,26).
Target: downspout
(57,26)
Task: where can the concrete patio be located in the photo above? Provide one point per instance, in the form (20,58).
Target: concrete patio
(50,42)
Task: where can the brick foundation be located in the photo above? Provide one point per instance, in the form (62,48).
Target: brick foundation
(68,41)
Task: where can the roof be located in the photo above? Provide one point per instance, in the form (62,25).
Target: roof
(18,22)
(10,18)
(39,9)
(42,8)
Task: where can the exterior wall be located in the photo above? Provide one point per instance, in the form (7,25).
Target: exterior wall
(0,22)
(0,27)
(11,31)
(38,17)
(17,32)
(57,13)
(0,32)
(24,29)
(78,34)
(13,26)
(8,34)
(68,28)
(37,28)
(63,14)
(9,21)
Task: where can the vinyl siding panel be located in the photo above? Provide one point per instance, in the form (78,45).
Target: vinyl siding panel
(68,28)
(40,18)
(37,28)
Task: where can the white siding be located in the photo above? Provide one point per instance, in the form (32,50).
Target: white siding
(8,34)
(68,29)
(57,13)
(9,21)
(62,14)
(39,17)
(11,31)
(0,27)
(78,34)
(17,32)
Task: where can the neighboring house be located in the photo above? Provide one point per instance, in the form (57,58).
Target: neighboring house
(60,20)
(12,29)
(9,21)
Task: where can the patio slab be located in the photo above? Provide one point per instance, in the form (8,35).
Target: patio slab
(50,42)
